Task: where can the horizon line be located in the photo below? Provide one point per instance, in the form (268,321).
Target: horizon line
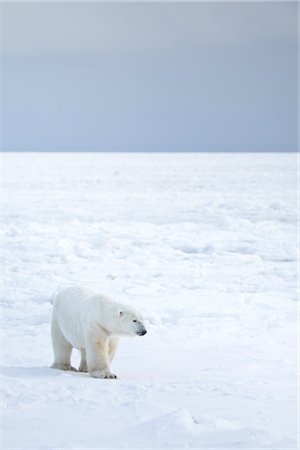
(150,151)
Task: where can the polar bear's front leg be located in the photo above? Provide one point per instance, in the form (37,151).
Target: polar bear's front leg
(98,359)
(112,347)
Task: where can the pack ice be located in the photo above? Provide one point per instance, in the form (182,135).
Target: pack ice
(204,245)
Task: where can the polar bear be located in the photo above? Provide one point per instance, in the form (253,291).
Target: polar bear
(93,324)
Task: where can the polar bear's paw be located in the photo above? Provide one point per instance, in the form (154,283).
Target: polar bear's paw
(63,367)
(83,368)
(102,374)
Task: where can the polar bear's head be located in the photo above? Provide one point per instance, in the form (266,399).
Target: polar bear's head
(130,322)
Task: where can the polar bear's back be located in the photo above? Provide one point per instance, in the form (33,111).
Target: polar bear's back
(78,303)
(73,295)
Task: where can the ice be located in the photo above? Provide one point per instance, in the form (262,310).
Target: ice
(205,246)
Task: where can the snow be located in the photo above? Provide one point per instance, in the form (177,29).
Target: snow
(204,245)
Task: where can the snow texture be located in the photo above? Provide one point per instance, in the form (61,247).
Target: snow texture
(205,246)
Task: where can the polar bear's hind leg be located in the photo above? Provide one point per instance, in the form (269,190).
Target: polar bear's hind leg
(61,347)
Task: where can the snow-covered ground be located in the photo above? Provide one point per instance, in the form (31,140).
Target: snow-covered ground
(205,245)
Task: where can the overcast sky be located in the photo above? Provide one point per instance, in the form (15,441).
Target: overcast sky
(150,76)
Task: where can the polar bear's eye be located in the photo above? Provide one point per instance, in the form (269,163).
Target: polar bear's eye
(134,320)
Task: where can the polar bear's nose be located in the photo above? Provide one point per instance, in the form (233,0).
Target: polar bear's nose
(142,332)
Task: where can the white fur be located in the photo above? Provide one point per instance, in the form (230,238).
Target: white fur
(93,324)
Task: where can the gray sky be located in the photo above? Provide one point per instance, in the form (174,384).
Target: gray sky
(150,76)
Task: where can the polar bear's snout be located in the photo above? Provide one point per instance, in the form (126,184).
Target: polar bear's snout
(139,327)
(142,330)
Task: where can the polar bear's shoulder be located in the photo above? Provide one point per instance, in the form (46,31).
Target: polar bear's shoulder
(105,302)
